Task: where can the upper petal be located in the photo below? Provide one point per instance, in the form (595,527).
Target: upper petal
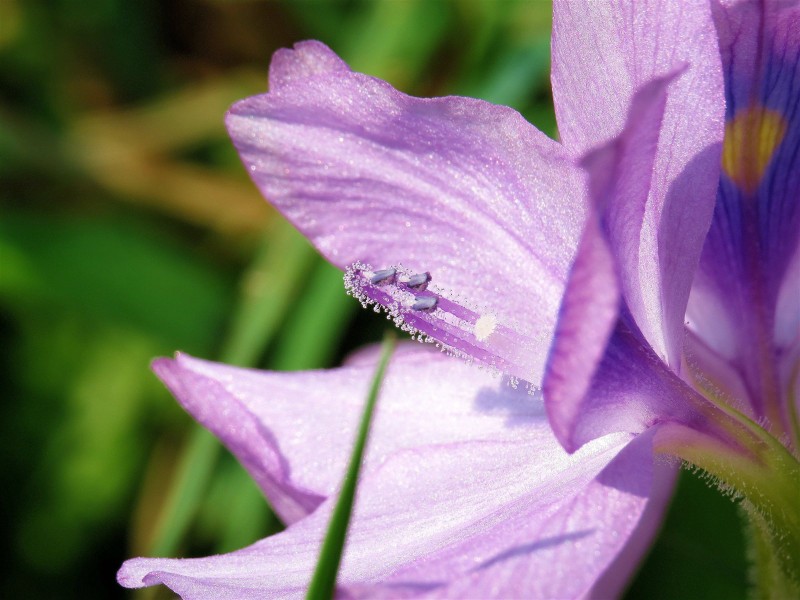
(293,431)
(604,51)
(459,187)
(479,519)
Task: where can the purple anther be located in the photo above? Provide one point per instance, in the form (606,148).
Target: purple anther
(424,303)
(418,282)
(383,277)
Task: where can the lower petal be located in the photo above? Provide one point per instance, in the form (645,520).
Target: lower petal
(460,520)
(293,431)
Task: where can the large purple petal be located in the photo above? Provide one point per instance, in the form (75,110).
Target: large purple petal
(603,52)
(477,519)
(619,175)
(293,431)
(744,303)
(551,543)
(459,187)
(619,574)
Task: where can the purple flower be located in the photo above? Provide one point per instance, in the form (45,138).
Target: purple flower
(565,266)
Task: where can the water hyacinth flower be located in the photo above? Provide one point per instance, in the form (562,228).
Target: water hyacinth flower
(637,284)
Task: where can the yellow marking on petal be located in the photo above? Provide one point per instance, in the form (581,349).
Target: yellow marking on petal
(751,138)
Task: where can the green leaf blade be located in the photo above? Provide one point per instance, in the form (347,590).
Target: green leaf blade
(323,581)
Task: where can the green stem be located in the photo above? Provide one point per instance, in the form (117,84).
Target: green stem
(768,573)
(193,476)
(767,481)
(791,401)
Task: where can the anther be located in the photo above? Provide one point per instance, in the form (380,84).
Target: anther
(424,303)
(383,277)
(418,282)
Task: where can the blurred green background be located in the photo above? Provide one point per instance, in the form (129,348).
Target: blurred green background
(129,230)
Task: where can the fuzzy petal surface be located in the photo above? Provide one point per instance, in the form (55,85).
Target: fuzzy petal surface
(631,390)
(464,189)
(603,52)
(489,514)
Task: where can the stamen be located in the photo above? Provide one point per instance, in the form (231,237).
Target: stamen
(427,303)
(440,317)
(418,282)
(384,276)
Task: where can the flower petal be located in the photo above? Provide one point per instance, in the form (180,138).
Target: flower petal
(546,553)
(464,189)
(739,303)
(619,175)
(589,310)
(628,45)
(630,390)
(618,576)
(709,372)
(486,519)
(293,431)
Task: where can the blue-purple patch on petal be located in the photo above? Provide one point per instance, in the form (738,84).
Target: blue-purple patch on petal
(755,232)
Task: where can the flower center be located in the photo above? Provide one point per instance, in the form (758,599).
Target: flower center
(431,314)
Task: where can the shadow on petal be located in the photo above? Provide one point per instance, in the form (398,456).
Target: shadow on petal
(533,547)
(518,406)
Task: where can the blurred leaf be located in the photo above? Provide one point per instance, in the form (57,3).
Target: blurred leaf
(119,37)
(235,513)
(543,117)
(182,117)
(516,75)
(266,292)
(29,62)
(141,154)
(10,22)
(395,40)
(320,317)
(121,271)
(700,551)
(189,484)
(90,451)
(327,21)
